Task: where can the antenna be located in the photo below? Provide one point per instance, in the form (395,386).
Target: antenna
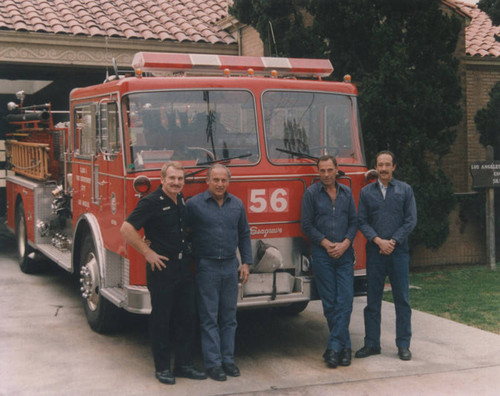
(273,38)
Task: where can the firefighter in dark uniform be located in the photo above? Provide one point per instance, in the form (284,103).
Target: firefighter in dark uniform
(169,278)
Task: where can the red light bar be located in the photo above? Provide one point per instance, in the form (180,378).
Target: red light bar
(215,64)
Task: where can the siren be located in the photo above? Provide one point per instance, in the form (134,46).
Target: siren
(217,64)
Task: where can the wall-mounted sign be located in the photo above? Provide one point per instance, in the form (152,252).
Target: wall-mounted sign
(485,174)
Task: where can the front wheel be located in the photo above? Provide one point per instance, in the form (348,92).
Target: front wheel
(26,263)
(101,314)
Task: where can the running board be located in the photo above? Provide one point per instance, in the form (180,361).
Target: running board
(133,299)
(60,257)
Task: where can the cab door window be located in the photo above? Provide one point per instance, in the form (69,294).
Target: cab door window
(85,120)
(109,137)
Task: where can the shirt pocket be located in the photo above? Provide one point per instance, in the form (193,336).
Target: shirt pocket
(323,206)
(230,218)
(168,217)
(342,205)
(376,205)
(397,202)
(324,210)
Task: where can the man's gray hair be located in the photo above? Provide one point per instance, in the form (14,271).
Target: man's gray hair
(221,167)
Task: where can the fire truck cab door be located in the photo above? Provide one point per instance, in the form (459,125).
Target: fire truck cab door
(108,172)
(99,174)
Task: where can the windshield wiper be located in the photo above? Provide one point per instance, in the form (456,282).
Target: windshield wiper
(298,154)
(303,155)
(216,161)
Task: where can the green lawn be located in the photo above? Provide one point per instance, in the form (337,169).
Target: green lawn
(470,295)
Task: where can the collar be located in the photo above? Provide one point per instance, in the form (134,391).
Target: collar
(391,183)
(164,196)
(207,196)
(337,186)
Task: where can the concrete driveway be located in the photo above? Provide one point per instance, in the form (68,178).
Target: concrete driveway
(47,348)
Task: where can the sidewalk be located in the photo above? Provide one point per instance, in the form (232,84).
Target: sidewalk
(449,358)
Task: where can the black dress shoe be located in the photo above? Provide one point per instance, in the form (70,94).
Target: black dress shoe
(345,357)
(331,358)
(216,373)
(367,351)
(189,372)
(165,377)
(231,369)
(404,353)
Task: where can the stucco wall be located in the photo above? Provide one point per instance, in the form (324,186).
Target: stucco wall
(251,44)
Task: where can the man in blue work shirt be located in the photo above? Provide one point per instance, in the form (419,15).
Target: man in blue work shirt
(219,225)
(329,221)
(387,214)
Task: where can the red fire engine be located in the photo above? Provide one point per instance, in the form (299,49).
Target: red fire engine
(267,119)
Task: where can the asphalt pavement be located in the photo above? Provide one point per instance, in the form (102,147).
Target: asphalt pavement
(47,348)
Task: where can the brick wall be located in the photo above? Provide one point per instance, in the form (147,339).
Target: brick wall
(466,242)
(480,81)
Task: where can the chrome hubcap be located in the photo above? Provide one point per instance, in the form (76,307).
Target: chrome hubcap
(89,280)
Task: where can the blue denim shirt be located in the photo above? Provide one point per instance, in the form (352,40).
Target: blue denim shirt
(219,230)
(320,219)
(394,217)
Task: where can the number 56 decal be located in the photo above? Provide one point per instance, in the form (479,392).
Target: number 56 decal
(268,200)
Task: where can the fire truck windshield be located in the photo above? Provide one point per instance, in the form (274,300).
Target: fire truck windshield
(301,125)
(193,127)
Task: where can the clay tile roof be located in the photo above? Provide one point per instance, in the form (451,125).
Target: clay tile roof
(481,37)
(180,20)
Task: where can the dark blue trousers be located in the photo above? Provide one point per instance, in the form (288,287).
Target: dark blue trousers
(396,266)
(335,283)
(173,303)
(217,290)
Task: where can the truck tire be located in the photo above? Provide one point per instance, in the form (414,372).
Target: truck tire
(102,315)
(26,264)
(293,309)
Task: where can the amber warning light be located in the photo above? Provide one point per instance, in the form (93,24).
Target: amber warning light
(217,64)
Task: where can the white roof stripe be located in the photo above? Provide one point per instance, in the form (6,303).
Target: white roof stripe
(276,63)
(204,60)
